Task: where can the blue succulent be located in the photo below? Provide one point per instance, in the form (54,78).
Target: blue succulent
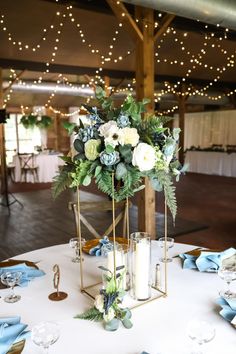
(123,121)
(87,133)
(110,158)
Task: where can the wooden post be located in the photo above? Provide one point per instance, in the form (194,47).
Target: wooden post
(142,32)
(2,144)
(145,88)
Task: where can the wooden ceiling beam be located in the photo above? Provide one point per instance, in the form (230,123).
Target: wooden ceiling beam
(112,73)
(166,21)
(125,18)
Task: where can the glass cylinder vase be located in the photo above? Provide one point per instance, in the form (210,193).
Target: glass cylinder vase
(140,264)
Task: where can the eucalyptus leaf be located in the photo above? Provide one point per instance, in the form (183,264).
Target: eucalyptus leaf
(156,185)
(69,127)
(176,132)
(121,171)
(126,152)
(127,323)
(86,181)
(127,313)
(109,149)
(112,325)
(98,170)
(78,145)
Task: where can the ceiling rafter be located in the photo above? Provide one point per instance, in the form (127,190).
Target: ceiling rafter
(125,18)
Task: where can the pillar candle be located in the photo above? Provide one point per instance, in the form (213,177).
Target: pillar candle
(142,270)
(120,260)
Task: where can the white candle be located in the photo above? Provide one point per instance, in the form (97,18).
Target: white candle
(120,261)
(142,269)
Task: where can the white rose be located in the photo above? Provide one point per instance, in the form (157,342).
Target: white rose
(130,136)
(108,129)
(110,315)
(144,157)
(99,303)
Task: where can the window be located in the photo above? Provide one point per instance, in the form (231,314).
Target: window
(18,139)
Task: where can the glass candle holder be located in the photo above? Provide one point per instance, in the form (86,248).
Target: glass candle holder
(121,259)
(140,264)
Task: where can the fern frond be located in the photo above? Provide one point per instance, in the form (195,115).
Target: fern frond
(61,182)
(169,191)
(91,314)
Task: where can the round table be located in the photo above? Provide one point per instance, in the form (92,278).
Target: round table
(158,326)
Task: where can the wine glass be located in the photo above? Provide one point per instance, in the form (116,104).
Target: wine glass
(45,334)
(169,244)
(227,273)
(74,243)
(11,279)
(201,332)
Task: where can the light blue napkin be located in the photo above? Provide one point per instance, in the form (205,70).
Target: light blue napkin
(11,331)
(207,261)
(97,250)
(228,308)
(28,273)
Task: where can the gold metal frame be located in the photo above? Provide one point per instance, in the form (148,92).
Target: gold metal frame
(86,289)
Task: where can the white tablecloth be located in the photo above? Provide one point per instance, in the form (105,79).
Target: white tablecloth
(48,166)
(158,327)
(212,163)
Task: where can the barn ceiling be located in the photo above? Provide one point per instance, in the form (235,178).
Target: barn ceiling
(72,43)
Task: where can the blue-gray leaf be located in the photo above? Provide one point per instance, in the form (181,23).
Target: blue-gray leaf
(113,325)
(127,323)
(121,171)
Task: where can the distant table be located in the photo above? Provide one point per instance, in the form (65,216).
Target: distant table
(48,167)
(212,163)
(158,327)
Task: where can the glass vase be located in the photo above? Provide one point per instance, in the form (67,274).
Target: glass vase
(121,259)
(140,265)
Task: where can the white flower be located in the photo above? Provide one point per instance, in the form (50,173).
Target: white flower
(130,136)
(99,303)
(144,157)
(111,133)
(108,129)
(110,315)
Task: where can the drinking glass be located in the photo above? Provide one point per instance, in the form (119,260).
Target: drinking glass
(201,332)
(45,334)
(169,244)
(227,274)
(11,279)
(74,243)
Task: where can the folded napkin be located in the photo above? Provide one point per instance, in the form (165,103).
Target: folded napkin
(11,331)
(97,250)
(207,261)
(28,272)
(228,309)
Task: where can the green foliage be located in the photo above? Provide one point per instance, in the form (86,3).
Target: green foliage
(79,176)
(91,314)
(169,190)
(44,122)
(28,121)
(130,182)
(70,127)
(61,182)
(32,120)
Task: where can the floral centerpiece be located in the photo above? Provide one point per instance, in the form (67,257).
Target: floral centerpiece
(108,304)
(117,140)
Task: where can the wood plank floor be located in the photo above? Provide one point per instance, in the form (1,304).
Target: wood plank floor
(203,201)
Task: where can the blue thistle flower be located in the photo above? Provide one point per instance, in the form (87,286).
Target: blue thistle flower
(95,118)
(109,159)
